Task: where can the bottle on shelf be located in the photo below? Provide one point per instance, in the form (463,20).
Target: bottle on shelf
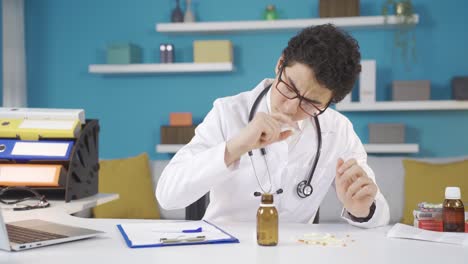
(270,13)
(166,53)
(453,213)
(177,16)
(267,222)
(189,16)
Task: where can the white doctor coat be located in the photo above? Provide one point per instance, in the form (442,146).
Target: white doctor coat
(199,168)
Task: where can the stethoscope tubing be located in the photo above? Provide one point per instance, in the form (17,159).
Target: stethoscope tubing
(301,186)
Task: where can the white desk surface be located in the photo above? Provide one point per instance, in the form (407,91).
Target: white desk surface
(59,207)
(370,246)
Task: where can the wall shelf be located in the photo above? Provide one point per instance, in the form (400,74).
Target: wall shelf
(160,68)
(403,106)
(168,148)
(275,25)
(391,148)
(370,148)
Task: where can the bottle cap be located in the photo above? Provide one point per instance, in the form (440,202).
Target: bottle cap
(267,198)
(452,193)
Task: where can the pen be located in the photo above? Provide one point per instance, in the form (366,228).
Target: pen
(195,230)
(182,239)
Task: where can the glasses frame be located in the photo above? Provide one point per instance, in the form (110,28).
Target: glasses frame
(298,95)
(41,203)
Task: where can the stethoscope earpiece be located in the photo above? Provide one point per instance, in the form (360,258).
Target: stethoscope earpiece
(279,191)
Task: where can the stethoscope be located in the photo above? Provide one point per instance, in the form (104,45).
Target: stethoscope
(304,188)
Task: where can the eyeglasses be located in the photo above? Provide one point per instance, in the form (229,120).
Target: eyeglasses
(292,93)
(42,202)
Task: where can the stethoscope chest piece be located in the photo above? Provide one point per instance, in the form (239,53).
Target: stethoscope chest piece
(304,189)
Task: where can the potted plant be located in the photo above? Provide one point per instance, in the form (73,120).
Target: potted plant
(405,38)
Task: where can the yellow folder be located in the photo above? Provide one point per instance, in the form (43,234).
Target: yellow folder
(31,175)
(35,129)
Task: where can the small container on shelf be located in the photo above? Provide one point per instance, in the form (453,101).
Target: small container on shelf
(212,51)
(166,53)
(180,119)
(367,81)
(177,15)
(411,90)
(386,133)
(189,16)
(338,8)
(460,88)
(124,53)
(270,13)
(177,134)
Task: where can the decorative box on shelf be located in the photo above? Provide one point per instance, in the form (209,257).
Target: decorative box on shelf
(411,90)
(386,133)
(338,8)
(212,51)
(177,134)
(126,53)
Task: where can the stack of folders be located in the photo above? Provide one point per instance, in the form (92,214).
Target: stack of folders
(36,144)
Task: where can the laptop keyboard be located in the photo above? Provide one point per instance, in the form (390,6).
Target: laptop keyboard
(22,235)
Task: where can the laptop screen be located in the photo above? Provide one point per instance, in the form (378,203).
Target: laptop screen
(4,241)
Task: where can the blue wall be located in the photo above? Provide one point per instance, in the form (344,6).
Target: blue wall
(63,37)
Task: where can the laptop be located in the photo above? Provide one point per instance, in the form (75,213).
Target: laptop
(27,234)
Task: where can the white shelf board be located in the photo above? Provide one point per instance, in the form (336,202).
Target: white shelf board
(370,148)
(160,68)
(404,106)
(275,25)
(168,148)
(391,148)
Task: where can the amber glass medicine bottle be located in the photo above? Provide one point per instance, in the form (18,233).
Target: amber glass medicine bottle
(453,211)
(267,222)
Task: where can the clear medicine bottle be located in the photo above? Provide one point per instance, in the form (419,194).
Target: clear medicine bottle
(267,222)
(453,213)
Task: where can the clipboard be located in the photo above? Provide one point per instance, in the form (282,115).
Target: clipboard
(142,235)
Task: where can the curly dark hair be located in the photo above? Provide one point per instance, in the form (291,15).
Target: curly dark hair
(331,53)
